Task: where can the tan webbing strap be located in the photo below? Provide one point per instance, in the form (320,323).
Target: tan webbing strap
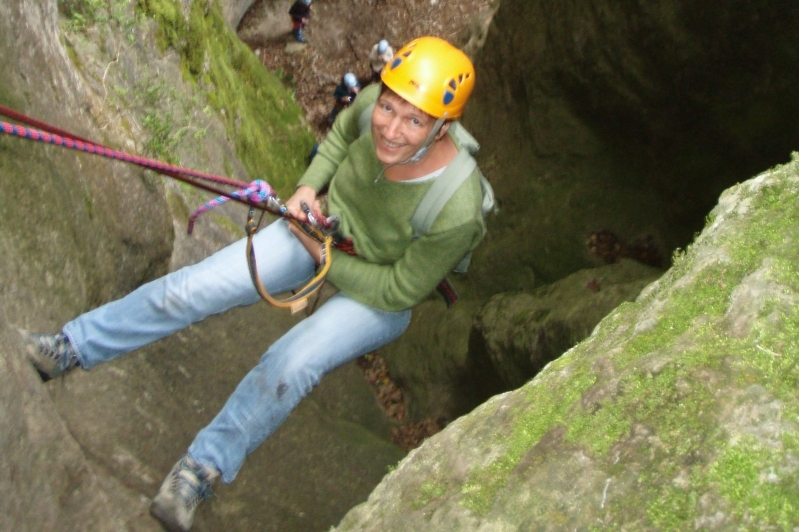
(299,300)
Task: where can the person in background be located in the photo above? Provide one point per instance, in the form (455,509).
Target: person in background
(381,54)
(345,94)
(300,13)
(375,182)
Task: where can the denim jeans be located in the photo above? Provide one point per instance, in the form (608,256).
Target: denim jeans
(339,331)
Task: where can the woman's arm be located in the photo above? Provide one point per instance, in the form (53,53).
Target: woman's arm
(410,279)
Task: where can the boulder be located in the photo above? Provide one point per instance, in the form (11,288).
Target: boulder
(522,332)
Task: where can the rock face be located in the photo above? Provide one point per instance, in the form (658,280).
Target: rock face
(84,231)
(234,10)
(678,412)
(455,358)
(69,240)
(522,332)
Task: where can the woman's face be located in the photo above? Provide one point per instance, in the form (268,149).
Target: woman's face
(399,129)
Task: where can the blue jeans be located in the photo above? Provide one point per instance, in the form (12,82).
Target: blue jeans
(339,331)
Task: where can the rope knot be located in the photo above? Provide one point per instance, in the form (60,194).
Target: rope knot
(259,191)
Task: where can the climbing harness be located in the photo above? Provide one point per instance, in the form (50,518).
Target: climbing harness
(257,195)
(320,229)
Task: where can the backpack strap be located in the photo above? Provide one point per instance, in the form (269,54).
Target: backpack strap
(445,185)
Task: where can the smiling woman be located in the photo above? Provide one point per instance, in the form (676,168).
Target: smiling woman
(422,95)
(424,89)
(400,130)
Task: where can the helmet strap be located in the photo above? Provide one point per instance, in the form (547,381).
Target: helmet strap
(421,152)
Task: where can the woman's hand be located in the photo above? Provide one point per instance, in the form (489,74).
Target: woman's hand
(307,195)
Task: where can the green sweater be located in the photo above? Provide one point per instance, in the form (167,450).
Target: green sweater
(392,270)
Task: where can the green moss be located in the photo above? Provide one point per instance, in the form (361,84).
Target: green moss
(79,15)
(162,141)
(428,491)
(229,225)
(651,399)
(763,497)
(73,55)
(258,111)
(177,206)
(552,403)
(170,20)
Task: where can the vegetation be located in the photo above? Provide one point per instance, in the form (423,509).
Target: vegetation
(260,116)
(81,14)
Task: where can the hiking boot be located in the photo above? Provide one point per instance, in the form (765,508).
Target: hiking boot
(184,488)
(51,354)
(300,36)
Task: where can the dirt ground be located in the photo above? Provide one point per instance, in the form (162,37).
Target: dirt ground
(341,33)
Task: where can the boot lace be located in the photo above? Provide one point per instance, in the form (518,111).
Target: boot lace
(190,484)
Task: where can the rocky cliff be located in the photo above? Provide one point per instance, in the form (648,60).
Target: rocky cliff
(87,453)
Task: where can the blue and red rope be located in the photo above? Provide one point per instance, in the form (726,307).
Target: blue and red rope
(255,194)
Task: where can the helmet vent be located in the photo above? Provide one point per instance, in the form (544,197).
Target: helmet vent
(397,62)
(448,97)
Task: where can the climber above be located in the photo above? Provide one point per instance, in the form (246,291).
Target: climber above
(300,13)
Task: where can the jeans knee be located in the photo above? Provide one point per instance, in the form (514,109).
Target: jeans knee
(294,380)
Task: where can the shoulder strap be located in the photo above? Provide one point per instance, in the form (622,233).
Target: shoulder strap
(445,185)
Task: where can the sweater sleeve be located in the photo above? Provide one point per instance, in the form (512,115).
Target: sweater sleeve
(335,147)
(425,262)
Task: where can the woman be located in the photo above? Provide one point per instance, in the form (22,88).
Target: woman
(375,182)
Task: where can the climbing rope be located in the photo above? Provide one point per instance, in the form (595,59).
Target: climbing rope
(258,195)
(67,140)
(258,192)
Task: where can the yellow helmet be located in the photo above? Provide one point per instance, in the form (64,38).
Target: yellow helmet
(433,75)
